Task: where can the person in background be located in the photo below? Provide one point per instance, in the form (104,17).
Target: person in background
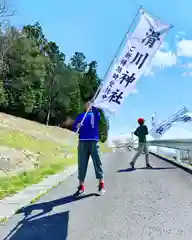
(88,146)
(141,133)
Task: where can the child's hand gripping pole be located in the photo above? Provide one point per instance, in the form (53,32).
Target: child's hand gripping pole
(90,106)
(85,115)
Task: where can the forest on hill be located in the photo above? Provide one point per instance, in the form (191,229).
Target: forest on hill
(36,83)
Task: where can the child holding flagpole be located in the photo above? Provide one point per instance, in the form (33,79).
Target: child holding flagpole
(88,146)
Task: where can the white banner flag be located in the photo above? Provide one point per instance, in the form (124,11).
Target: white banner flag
(185,118)
(138,52)
(154,120)
(162,128)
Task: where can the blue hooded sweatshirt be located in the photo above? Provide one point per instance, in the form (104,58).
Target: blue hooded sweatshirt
(89,131)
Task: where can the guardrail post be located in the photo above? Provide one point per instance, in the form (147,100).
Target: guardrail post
(178,156)
(190,157)
(158,150)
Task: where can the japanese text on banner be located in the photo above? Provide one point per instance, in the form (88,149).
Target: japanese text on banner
(139,49)
(182,116)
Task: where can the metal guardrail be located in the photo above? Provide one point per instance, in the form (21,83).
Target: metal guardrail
(173,143)
(181,149)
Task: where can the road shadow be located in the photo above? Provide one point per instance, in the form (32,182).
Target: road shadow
(44,225)
(144,168)
(126,170)
(48,227)
(47,207)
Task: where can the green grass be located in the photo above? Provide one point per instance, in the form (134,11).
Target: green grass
(12,184)
(37,198)
(105,148)
(3,220)
(51,159)
(20,140)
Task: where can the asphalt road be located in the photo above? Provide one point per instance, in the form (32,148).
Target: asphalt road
(138,205)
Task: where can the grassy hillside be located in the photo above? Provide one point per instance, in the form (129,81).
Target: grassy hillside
(30,151)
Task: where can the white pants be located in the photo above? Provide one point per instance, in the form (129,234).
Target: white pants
(143,147)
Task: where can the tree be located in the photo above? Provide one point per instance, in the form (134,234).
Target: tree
(78,62)
(4,11)
(88,82)
(7,34)
(36,83)
(103,127)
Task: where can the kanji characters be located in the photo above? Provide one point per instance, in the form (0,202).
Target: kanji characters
(140,59)
(116,96)
(111,83)
(104,96)
(123,62)
(119,69)
(151,38)
(127,78)
(129,53)
(160,130)
(115,76)
(107,92)
(186,118)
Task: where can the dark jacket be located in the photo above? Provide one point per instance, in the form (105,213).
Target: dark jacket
(141,133)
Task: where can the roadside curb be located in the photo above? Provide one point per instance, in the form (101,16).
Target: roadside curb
(180,165)
(10,205)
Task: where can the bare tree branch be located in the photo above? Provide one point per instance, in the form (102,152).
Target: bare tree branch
(3,7)
(6,41)
(4,10)
(6,35)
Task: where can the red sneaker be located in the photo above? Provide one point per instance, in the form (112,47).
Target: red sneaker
(80,190)
(101,188)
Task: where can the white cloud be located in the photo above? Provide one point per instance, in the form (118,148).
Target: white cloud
(166,58)
(164,46)
(134,91)
(179,36)
(162,59)
(184,48)
(184,74)
(149,71)
(187,74)
(187,65)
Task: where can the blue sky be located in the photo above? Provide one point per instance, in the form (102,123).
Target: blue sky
(96,29)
